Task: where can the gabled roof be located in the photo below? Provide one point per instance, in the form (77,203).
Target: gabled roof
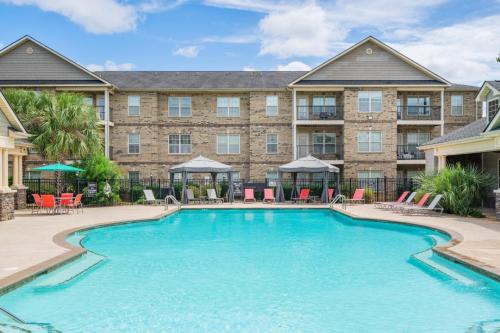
(485,89)
(469,131)
(172,80)
(440,80)
(28,38)
(10,115)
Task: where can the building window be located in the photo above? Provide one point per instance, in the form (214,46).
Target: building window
(419,105)
(457,105)
(369,142)
(323,105)
(101,111)
(370,174)
(223,176)
(134,105)
(33,175)
(228,144)
(271,106)
(492,108)
(88,100)
(134,176)
(179,106)
(323,143)
(179,144)
(228,106)
(272,177)
(417,139)
(369,101)
(272,143)
(134,141)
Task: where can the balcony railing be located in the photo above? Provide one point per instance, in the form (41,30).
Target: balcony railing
(328,151)
(419,112)
(313,112)
(101,112)
(410,152)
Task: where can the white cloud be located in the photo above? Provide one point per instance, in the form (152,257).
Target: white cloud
(110,66)
(463,52)
(155,6)
(250,5)
(294,66)
(95,16)
(237,39)
(188,51)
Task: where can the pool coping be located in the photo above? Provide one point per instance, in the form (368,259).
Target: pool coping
(22,277)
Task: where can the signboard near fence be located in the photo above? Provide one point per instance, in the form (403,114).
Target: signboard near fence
(91,189)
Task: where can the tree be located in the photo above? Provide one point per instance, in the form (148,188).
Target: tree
(61,125)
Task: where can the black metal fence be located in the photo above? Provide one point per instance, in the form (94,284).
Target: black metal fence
(125,191)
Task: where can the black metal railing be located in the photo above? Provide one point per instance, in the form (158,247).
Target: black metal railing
(419,112)
(126,191)
(327,151)
(410,152)
(312,112)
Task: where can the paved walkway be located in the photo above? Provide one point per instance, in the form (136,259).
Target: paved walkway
(32,244)
(477,240)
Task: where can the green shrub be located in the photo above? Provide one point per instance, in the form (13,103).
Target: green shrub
(463,188)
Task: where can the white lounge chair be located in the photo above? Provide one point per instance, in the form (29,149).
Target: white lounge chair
(406,203)
(212,196)
(434,206)
(149,198)
(190,196)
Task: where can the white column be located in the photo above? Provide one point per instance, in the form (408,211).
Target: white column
(5,168)
(106,123)
(294,125)
(441,162)
(15,170)
(20,171)
(442,111)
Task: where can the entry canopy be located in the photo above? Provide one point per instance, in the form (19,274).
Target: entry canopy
(201,164)
(308,164)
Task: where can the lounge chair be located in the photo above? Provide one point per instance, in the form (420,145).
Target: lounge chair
(149,198)
(357,197)
(434,206)
(190,196)
(331,191)
(268,195)
(421,203)
(401,198)
(38,203)
(407,202)
(249,195)
(212,196)
(303,195)
(49,203)
(76,204)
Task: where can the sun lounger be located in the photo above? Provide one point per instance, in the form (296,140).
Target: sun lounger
(149,198)
(249,195)
(434,206)
(401,198)
(331,191)
(407,202)
(268,195)
(357,197)
(303,195)
(421,203)
(190,196)
(212,196)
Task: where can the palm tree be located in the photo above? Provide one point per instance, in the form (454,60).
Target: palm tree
(62,126)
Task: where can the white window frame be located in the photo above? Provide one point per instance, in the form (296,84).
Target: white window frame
(226,106)
(491,101)
(418,136)
(180,145)
(322,107)
(268,143)
(371,95)
(138,144)
(138,106)
(228,144)
(324,144)
(272,110)
(369,142)
(454,107)
(134,172)
(179,107)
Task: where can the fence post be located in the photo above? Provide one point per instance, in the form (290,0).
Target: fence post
(385,188)
(39,186)
(131,194)
(151,181)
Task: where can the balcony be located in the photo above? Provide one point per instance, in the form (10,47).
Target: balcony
(419,112)
(327,151)
(322,113)
(409,152)
(101,112)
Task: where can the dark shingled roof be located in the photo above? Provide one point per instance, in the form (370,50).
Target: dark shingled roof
(473,129)
(462,87)
(367,82)
(495,84)
(200,80)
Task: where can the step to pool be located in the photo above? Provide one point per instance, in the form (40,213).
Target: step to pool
(11,324)
(71,270)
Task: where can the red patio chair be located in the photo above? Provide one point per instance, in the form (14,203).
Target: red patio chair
(303,195)
(401,198)
(249,195)
(49,203)
(331,191)
(357,197)
(38,203)
(77,203)
(268,195)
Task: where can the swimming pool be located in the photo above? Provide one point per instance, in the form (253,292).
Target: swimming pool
(258,271)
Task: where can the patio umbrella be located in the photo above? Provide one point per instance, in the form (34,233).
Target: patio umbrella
(58,167)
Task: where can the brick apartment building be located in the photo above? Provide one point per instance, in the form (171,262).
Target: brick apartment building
(365,110)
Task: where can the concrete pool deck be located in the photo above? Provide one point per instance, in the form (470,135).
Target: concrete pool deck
(32,244)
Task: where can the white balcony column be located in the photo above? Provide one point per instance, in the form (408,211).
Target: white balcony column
(442,111)
(294,125)
(106,123)
(441,162)
(20,173)
(15,170)
(5,168)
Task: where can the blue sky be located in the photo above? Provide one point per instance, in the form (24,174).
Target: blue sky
(457,39)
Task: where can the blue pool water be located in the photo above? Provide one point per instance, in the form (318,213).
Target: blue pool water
(259,271)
